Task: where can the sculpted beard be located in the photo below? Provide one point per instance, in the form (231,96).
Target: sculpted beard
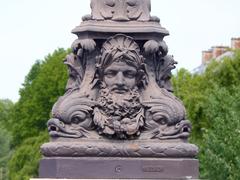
(119,115)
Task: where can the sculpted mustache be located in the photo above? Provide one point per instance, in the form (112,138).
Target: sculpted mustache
(119,87)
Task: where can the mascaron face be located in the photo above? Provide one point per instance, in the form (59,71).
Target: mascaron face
(119,77)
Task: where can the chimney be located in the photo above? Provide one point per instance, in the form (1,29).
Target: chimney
(235,43)
(206,56)
(218,51)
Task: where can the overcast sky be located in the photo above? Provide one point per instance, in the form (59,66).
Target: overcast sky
(31,29)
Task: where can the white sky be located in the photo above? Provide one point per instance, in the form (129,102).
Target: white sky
(31,29)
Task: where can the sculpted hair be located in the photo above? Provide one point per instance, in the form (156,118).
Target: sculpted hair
(121,48)
(130,57)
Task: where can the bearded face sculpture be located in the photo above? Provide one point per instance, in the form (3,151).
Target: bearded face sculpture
(121,74)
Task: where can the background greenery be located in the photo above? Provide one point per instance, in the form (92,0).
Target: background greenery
(26,121)
(212,100)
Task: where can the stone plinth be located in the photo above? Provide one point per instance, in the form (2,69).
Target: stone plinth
(141,159)
(118,168)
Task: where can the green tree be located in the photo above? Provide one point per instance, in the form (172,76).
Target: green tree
(4,152)
(43,85)
(5,138)
(5,110)
(212,103)
(25,160)
(220,150)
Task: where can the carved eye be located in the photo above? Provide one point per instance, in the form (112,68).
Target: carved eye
(110,3)
(129,74)
(158,117)
(80,117)
(162,122)
(75,120)
(132,2)
(110,73)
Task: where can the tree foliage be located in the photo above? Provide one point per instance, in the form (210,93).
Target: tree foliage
(5,152)
(221,146)
(5,138)
(5,109)
(25,160)
(43,85)
(212,100)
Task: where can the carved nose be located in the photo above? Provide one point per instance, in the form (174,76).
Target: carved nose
(119,79)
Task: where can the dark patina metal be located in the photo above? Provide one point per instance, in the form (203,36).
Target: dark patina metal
(119,117)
